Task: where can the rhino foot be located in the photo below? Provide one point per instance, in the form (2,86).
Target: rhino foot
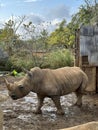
(37,112)
(60,112)
(78,104)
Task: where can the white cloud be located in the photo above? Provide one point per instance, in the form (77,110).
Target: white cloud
(2,5)
(35,18)
(42,22)
(55,22)
(1,23)
(59,12)
(29,1)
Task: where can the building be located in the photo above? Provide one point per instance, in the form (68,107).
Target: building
(86,54)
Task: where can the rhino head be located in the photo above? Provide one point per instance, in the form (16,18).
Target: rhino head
(20,88)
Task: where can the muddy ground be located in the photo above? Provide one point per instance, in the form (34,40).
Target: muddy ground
(18,115)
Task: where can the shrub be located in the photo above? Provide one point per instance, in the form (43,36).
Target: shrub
(55,59)
(21,62)
(58,59)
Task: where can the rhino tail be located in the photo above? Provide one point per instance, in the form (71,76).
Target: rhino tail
(83,85)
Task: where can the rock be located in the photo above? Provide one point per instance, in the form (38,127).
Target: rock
(88,126)
(2,99)
(1,119)
(3,57)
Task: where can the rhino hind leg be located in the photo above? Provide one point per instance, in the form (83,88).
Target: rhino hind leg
(80,92)
(56,100)
(79,99)
(40,104)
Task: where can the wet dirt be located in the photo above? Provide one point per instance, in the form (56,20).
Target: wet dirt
(18,115)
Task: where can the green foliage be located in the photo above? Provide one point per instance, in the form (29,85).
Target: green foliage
(19,62)
(58,59)
(87,14)
(55,59)
(42,40)
(62,36)
(8,65)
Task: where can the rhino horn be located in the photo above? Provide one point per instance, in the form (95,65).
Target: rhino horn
(7,84)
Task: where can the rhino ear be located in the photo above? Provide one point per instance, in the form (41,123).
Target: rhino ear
(7,84)
(25,70)
(28,72)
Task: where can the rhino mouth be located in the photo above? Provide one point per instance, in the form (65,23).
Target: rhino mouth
(14,97)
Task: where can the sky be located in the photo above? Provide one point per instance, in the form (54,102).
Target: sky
(39,10)
(45,14)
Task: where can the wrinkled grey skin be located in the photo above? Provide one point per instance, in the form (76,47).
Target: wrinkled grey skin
(50,83)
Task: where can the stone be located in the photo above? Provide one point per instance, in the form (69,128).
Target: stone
(3,57)
(88,126)
(2,99)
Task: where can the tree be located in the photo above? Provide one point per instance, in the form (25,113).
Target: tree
(37,34)
(43,40)
(9,35)
(87,14)
(62,36)
(38,37)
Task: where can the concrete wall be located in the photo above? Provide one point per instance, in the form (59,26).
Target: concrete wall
(89,43)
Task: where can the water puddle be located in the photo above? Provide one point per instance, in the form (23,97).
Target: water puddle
(24,117)
(30,99)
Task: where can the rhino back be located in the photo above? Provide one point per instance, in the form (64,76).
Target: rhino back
(61,81)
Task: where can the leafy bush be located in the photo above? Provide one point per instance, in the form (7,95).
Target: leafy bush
(8,65)
(58,59)
(55,59)
(21,62)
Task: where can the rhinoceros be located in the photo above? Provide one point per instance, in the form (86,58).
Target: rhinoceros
(51,83)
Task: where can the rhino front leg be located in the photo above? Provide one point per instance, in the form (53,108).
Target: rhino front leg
(40,104)
(56,100)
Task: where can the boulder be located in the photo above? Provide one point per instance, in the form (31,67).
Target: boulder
(3,57)
(2,99)
(88,126)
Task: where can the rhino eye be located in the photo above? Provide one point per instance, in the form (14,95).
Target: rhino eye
(20,87)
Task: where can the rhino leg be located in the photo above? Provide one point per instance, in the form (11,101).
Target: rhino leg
(40,104)
(56,100)
(79,99)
